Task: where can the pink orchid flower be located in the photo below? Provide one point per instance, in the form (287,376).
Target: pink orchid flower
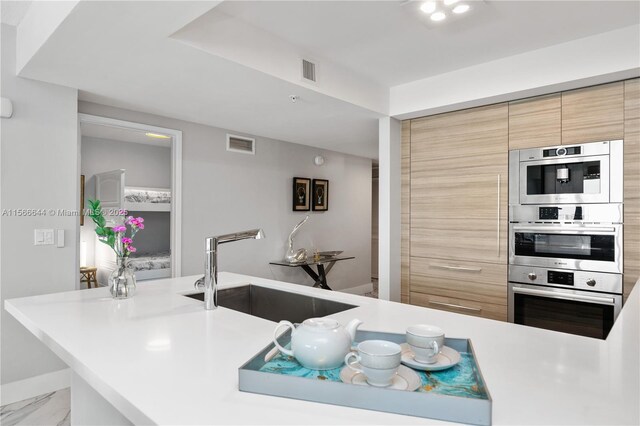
(132,249)
(119,228)
(127,240)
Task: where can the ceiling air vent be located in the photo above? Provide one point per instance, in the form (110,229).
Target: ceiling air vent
(241,144)
(308,70)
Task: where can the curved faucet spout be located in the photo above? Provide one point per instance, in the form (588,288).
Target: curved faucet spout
(211,262)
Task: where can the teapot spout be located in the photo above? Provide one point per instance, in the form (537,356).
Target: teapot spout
(352,327)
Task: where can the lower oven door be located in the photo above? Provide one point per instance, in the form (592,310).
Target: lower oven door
(570,311)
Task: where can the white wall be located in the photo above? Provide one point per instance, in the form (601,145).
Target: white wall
(38,161)
(226,192)
(389,209)
(601,58)
(145,165)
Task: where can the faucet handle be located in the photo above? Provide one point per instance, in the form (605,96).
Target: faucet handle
(199,283)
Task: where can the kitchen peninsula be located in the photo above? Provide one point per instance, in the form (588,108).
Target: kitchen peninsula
(160,358)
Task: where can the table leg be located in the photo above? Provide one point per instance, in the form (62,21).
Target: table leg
(323,276)
(313,275)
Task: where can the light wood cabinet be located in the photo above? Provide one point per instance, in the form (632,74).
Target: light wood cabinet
(405,210)
(535,122)
(482,282)
(593,114)
(460,306)
(458,209)
(631,184)
(454,189)
(466,133)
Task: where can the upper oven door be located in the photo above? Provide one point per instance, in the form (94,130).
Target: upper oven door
(583,248)
(565,180)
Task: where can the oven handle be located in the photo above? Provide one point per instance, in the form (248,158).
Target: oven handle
(565,296)
(561,229)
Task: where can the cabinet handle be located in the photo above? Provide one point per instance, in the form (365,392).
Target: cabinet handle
(451,305)
(457,268)
(498,227)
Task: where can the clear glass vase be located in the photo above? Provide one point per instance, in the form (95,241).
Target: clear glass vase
(122,281)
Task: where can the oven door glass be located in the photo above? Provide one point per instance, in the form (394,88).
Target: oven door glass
(565,246)
(568,316)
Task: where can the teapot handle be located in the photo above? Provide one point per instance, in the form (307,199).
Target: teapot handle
(275,337)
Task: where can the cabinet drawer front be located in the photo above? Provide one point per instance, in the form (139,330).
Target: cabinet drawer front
(467,133)
(479,240)
(460,270)
(468,289)
(460,306)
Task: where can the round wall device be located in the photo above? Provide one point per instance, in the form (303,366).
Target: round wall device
(319,160)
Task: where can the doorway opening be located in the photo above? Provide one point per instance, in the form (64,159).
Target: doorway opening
(134,170)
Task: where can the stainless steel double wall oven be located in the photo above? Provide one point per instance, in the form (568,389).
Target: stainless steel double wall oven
(565,237)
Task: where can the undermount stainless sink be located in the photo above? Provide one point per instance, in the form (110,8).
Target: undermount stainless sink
(275,305)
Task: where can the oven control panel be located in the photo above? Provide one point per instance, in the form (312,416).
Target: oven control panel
(548,213)
(574,279)
(562,278)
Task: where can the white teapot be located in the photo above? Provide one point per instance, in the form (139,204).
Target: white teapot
(319,343)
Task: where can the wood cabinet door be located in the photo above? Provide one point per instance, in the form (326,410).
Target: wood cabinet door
(405,217)
(535,122)
(593,114)
(466,133)
(459,208)
(631,184)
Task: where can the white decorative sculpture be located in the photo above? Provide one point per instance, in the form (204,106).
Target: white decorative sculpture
(295,256)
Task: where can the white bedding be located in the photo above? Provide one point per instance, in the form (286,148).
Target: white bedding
(144,195)
(149,261)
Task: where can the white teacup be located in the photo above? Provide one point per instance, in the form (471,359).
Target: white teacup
(426,342)
(379,361)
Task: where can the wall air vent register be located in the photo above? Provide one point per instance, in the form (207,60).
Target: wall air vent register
(241,144)
(308,70)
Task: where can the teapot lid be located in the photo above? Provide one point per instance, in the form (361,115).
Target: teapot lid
(321,324)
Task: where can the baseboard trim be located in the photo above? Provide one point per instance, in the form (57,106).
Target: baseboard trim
(34,386)
(359,289)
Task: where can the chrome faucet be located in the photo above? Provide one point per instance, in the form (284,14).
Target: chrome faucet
(210,279)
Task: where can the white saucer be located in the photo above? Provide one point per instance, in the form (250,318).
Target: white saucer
(405,379)
(447,358)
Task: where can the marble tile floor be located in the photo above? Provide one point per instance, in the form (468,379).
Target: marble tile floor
(52,408)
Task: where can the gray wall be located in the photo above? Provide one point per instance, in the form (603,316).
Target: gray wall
(145,165)
(225,192)
(39,160)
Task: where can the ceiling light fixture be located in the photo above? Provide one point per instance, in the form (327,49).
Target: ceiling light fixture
(450,2)
(438,16)
(428,7)
(157,135)
(461,8)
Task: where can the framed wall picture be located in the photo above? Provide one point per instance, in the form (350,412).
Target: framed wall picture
(320,195)
(301,194)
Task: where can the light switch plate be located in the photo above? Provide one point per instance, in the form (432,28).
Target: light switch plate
(43,237)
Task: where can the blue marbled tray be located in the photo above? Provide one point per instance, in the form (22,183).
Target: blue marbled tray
(460,380)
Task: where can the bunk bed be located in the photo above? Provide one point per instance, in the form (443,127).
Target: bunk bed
(116,197)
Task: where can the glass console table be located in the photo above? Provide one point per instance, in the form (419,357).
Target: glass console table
(320,276)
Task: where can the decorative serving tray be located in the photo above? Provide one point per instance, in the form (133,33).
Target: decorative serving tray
(458,394)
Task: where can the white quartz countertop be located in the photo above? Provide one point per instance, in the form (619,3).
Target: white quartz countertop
(161,358)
